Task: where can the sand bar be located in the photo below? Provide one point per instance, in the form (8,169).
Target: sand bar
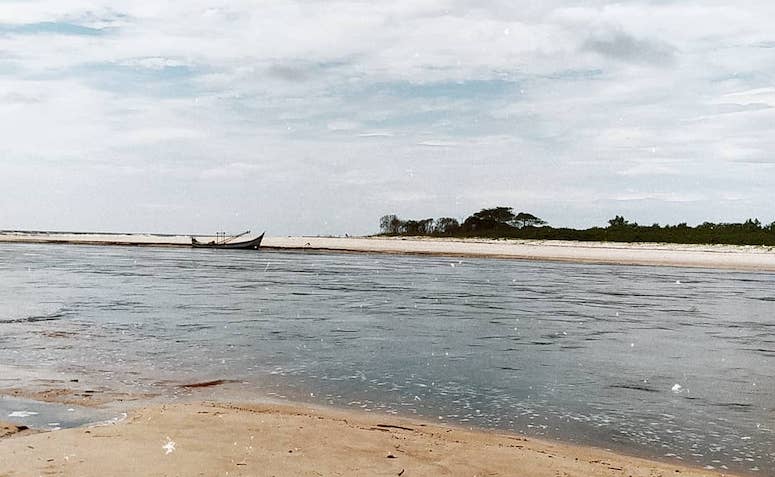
(755,258)
(89,238)
(709,256)
(283,440)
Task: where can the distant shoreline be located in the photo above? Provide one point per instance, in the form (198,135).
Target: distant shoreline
(735,257)
(747,258)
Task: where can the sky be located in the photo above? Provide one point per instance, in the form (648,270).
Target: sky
(318,117)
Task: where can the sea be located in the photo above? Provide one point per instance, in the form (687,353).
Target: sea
(663,362)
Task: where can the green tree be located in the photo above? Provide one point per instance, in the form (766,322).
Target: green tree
(416,227)
(618,221)
(523,219)
(498,215)
(752,224)
(390,224)
(446,226)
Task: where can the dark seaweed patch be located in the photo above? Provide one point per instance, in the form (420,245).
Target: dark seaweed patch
(634,387)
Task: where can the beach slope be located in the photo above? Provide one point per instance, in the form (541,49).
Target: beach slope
(203,439)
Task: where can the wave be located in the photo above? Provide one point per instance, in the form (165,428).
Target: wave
(57,315)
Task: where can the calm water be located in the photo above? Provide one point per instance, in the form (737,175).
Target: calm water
(50,416)
(656,361)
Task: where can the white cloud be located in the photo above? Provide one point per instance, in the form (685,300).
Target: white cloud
(437,143)
(659,196)
(764,96)
(376,134)
(650,169)
(556,105)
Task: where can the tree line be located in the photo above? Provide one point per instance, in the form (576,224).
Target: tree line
(498,219)
(503,222)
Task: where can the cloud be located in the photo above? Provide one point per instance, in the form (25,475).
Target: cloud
(437,143)
(18,99)
(342,125)
(376,134)
(759,96)
(659,197)
(288,72)
(323,108)
(650,169)
(621,46)
(151,76)
(234,170)
(733,108)
(50,28)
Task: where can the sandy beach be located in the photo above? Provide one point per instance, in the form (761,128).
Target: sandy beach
(210,438)
(755,258)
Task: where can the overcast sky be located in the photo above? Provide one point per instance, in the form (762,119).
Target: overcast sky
(318,117)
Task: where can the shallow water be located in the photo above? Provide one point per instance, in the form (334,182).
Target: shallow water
(655,361)
(50,416)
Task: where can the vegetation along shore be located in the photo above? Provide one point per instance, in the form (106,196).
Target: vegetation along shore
(503,222)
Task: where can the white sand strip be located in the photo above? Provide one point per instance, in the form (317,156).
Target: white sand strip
(758,258)
(99,238)
(708,256)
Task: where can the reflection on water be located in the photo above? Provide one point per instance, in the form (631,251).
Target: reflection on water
(657,361)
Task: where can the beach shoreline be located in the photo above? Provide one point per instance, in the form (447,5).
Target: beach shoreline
(731,257)
(111,406)
(195,437)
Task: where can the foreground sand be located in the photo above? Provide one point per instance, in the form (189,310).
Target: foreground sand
(756,258)
(276,440)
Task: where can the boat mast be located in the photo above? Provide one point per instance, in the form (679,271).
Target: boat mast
(227,240)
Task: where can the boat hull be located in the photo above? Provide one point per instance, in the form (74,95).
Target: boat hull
(253,244)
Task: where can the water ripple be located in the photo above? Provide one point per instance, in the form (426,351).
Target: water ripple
(658,361)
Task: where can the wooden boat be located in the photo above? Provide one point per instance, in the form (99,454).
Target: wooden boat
(224,242)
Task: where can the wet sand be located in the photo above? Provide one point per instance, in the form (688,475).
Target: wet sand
(287,440)
(755,258)
(8,429)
